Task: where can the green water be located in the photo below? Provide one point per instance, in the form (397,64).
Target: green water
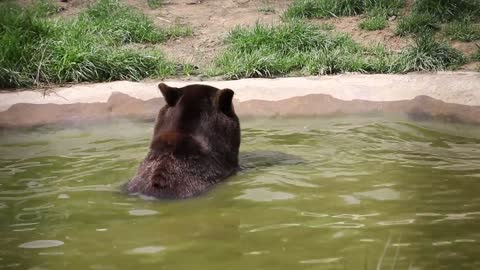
(338,193)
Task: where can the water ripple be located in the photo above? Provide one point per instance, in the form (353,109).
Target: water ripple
(319,192)
(41,244)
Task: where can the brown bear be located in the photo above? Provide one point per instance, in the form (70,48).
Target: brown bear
(195,143)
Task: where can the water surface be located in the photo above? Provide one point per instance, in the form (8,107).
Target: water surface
(338,193)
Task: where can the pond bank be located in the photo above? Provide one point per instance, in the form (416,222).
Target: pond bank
(324,95)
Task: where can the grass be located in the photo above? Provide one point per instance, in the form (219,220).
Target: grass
(476,57)
(448,10)
(323,8)
(462,30)
(268,51)
(417,23)
(326,26)
(374,23)
(305,49)
(429,55)
(178,30)
(337,8)
(266,9)
(102,43)
(154,3)
(427,15)
(390,5)
(122,23)
(35,49)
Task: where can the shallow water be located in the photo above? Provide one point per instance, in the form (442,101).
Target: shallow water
(338,193)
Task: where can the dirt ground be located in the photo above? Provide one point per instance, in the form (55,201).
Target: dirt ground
(385,36)
(211,21)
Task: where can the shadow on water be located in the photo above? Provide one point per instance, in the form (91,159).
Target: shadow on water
(253,160)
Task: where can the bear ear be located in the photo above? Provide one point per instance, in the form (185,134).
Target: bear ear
(171,94)
(224,101)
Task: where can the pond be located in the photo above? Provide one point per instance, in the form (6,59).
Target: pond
(313,193)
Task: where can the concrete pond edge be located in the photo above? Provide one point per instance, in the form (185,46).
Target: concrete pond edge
(448,96)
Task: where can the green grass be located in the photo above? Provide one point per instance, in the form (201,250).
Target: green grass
(447,10)
(476,57)
(326,26)
(304,49)
(122,23)
(383,4)
(427,15)
(178,30)
(429,55)
(266,9)
(337,8)
(296,47)
(101,44)
(154,3)
(462,30)
(323,8)
(36,50)
(417,23)
(374,23)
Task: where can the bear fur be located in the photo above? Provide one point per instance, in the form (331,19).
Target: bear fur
(195,143)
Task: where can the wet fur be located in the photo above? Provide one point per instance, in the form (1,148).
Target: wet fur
(195,143)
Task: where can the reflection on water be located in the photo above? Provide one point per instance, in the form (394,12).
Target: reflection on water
(41,244)
(338,193)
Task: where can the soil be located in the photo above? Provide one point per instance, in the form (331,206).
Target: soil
(467,48)
(385,36)
(211,21)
